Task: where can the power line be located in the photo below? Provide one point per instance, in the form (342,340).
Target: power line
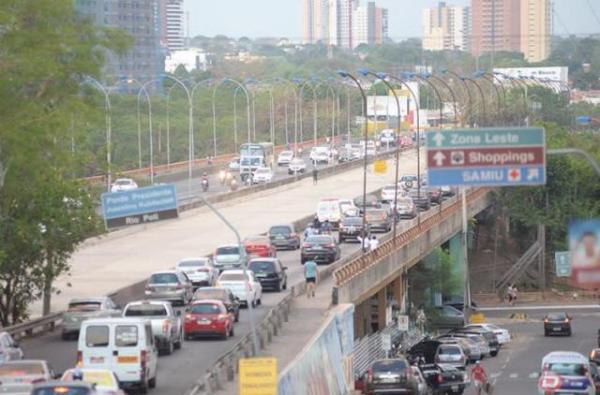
(589,3)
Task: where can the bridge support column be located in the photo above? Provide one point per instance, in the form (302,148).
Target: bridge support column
(381,308)
(361,319)
(398,292)
(457,258)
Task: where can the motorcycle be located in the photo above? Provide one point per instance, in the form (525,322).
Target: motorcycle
(204,184)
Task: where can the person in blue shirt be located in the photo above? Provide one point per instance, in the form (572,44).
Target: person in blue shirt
(311,275)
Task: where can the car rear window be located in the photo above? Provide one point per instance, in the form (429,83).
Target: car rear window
(257,240)
(96,336)
(62,390)
(262,267)
(567,369)
(210,294)
(163,278)
(280,230)
(376,214)
(319,239)
(234,250)
(557,316)
(232,277)
(21,369)
(146,310)
(84,306)
(205,308)
(126,336)
(389,365)
(352,221)
(192,263)
(446,350)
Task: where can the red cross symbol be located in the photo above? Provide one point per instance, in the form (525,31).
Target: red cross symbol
(514,175)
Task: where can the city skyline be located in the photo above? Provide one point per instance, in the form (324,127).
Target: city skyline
(283,18)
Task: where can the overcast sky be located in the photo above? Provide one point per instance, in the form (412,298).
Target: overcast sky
(282,18)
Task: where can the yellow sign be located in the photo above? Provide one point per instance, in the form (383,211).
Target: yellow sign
(478,318)
(258,376)
(380,166)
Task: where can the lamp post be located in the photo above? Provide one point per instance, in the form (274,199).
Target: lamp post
(482,115)
(333,96)
(345,74)
(294,89)
(484,76)
(467,93)
(449,89)
(214,109)
(437,94)
(150,135)
(315,109)
(108,121)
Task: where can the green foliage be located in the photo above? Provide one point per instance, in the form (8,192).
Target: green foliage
(434,274)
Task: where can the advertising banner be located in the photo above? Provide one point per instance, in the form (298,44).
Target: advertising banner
(584,245)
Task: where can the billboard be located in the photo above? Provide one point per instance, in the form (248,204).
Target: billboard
(258,376)
(560,74)
(584,245)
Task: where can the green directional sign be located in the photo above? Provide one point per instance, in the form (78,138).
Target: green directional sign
(488,137)
(562,260)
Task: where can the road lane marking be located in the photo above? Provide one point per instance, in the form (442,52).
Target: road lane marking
(513,375)
(553,307)
(533,375)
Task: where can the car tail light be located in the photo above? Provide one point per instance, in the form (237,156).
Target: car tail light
(567,320)
(550,382)
(143,361)
(370,375)
(440,379)
(306,245)
(203,270)
(79,358)
(189,317)
(165,326)
(330,245)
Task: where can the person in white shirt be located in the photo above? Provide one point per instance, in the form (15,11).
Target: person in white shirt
(374,242)
(366,242)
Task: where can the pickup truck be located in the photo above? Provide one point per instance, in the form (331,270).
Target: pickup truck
(167,326)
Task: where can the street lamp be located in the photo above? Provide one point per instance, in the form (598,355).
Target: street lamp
(315,109)
(482,115)
(452,93)
(467,93)
(333,96)
(345,74)
(437,93)
(484,76)
(290,85)
(214,109)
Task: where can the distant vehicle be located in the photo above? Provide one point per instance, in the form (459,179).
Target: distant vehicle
(262,151)
(491,338)
(18,377)
(387,137)
(406,208)
(409,181)
(285,157)
(502,334)
(448,191)
(371,202)
(357,151)
(208,317)
(320,248)
(297,165)
(249,165)
(262,175)
(424,349)
(81,309)
(200,270)
(345,155)
(557,324)
(445,379)
(470,346)
(565,372)
(234,165)
(391,376)
(351,228)
(378,220)
(170,285)
(284,237)
(420,198)
(228,257)
(105,382)
(329,210)
(246,288)
(123,185)
(9,348)
(320,154)
(270,272)
(451,354)
(259,246)
(231,302)
(371,147)
(346,205)
(446,317)
(167,327)
(69,388)
(388,192)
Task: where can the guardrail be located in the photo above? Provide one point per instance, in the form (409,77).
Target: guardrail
(34,327)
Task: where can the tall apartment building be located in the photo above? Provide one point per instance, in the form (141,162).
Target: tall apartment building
(495,26)
(536,29)
(446,28)
(141,19)
(340,23)
(370,25)
(316,21)
(172,24)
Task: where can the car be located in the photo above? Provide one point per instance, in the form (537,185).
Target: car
(351,228)
(296,165)
(469,346)
(208,317)
(595,373)
(448,191)
(422,386)
(371,202)
(9,348)
(200,270)
(444,379)
(320,154)
(502,334)
(458,302)
(259,246)
(166,324)
(387,138)
(346,155)
(371,147)
(284,237)
(262,175)
(170,285)
(18,377)
(420,198)
(231,302)
(80,309)
(489,336)
(234,165)
(229,256)
(329,210)
(346,205)
(391,376)
(284,158)
(451,354)
(123,185)
(434,193)
(105,382)
(320,249)
(565,372)
(68,388)
(557,324)
(406,208)
(379,220)
(243,284)
(479,345)
(595,356)
(409,181)
(270,272)
(446,317)
(391,191)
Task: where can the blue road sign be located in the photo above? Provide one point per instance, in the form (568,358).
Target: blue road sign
(562,259)
(489,176)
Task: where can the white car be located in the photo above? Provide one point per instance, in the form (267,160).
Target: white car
(565,372)
(262,175)
(9,348)
(387,137)
(502,334)
(123,184)
(388,193)
(234,165)
(320,154)
(297,165)
(284,158)
(346,205)
(200,271)
(247,289)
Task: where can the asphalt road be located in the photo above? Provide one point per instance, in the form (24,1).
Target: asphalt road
(516,369)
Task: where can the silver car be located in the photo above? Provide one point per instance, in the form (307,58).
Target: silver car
(170,285)
(19,377)
(228,257)
(200,271)
(82,309)
(9,349)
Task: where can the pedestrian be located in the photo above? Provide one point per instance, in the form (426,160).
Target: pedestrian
(373,243)
(366,242)
(509,294)
(315,174)
(515,292)
(311,275)
(479,378)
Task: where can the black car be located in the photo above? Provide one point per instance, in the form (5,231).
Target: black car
(424,350)
(557,324)
(284,237)
(231,302)
(379,220)
(444,379)
(491,338)
(458,302)
(420,198)
(320,248)
(390,376)
(269,272)
(434,193)
(351,228)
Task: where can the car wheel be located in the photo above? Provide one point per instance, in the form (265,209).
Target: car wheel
(144,387)
(493,353)
(179,342)
(285,284)
(169,349)
(278,287)
(152,382)
(231,332)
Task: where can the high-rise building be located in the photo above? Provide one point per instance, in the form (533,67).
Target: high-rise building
(369,25)
(316,21)
(381,25)
(340,23)
(536,26)
(141,19)
(495,26)
(172,24)
(446,28)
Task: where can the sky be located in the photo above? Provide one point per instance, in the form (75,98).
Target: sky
(283,18)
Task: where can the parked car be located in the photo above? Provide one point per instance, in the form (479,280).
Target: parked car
(444,379)
(234,165)
(351,228)
(296,166)
(469,346)
(247,289)
(18,377)
(81,309)
(320,248)
(391,376)
(406,208)
(259,246)
(167,327)
(200,270)
(422,386)
(284,237)
(9,348)
(262,175)
(557,324)
(123,185)
(379,220)
(284,158)
(491,338)
(228,257)
(208,318)
(420,198)
(270,272)
(104,381)
(171,285)
(451,354)
(503,335)
(446,317)
(231,302)
(125,346)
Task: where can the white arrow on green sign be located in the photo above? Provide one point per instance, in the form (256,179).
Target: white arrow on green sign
(562,259)
(488,137)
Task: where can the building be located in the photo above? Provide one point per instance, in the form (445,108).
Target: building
(381,25)
(316,21)
(536,29)
(495,26)
(340,23)
(446,28)
(369,25)
(141,19)
(172,24)
(191,59)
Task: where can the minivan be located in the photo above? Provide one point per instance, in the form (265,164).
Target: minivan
(123,345)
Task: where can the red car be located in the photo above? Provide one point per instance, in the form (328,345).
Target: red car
(208,318)
(260,246)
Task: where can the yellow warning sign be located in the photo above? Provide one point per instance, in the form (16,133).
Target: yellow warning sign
(258,376)
(477,318)
(380,166)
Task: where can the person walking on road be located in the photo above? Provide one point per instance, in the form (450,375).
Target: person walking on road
(315,174)
(366,242)
(311,275)
(479,378)
(373,243)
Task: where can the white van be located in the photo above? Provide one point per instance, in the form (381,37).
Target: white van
(122,345)
(329,210)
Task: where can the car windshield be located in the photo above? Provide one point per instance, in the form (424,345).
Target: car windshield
(319,239)
(280,230)
(205,308)
(261,267)
(557,317)
(375,215)
(123,182)
(352,221)
(233,250)
(163,278)
(84,306)
(389,365)
(251,161)
(566,369)
(449,350)
(192,263)
(146,310)
(210,294)
(21,369)
(232,277)
(102,378)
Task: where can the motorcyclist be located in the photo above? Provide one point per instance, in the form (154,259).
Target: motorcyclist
(479,377)
(77,375)
(316,224)
(205,182)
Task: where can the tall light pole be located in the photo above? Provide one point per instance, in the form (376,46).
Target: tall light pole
(449,89)
(467,93)
(290,85)
(150,135)
(435,90)
(315,109)
(484,76)
(214,109)
(330,90)
(108,121)
(482,116)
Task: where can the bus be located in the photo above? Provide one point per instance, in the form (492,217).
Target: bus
(255,155)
